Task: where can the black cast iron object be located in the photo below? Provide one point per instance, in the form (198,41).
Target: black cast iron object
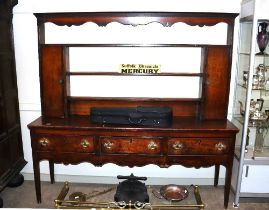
(131,190)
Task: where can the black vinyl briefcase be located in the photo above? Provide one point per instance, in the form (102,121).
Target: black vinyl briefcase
(144,116)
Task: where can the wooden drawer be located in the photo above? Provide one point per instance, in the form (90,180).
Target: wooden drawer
(64,143)
(129,145)
(198,146)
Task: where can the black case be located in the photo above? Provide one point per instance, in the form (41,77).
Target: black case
(145,116)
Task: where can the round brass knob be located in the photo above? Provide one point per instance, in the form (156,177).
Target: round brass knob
(177,146)
(108,145)
(44,142)
(85,143)
(220,146)
(152,146)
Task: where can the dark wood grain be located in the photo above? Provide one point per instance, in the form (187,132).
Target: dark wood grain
(137,18)
(216,84)
(52,66)
(11,149)
(199,136)
(215,72)
(181,107)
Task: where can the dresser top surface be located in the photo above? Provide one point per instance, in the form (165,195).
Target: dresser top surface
(178,124)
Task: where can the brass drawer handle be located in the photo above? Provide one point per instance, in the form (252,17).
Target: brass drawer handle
(85,143)
(152,146)
(108,145)
(44,142)
(177,146)
(220,146)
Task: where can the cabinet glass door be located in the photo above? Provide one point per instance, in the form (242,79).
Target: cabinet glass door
(240,104)
(252,95)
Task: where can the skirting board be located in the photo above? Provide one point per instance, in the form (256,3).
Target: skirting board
(114,180)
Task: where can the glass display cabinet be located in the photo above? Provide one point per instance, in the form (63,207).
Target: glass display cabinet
(251,105)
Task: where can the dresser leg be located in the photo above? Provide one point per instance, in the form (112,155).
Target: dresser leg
(37,180)
(227,187)
(216,177)
(51,166)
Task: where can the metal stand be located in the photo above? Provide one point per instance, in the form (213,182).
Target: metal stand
(61,203)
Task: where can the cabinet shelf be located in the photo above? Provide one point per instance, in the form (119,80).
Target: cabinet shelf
(249,19)
(264,155)
(240,119)
(83,98)
(261,55)
(133,45)
(256,54)
(245,87)
(254,159)
(120,74)
(244,53)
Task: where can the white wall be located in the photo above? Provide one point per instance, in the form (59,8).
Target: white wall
(25,38)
